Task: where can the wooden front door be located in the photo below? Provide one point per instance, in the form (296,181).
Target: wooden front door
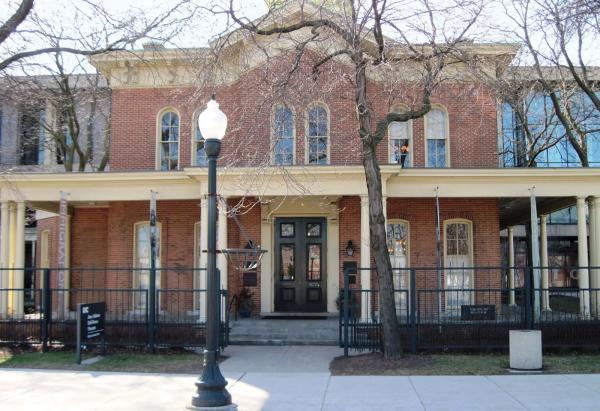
(301,264)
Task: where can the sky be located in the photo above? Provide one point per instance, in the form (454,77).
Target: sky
(198,31)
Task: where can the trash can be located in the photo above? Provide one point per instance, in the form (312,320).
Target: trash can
(525,350)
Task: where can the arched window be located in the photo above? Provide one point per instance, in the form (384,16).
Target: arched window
(169,141)
(198,151)
(398,247)
(282,135)
(400,137)
(318,135)
(436,132)
(458,251)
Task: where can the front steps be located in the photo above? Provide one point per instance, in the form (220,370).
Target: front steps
(284,332)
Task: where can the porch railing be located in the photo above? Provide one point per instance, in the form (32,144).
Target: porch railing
(45,314)
(478,316)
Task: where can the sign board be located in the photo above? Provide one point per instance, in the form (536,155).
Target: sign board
(91,319)
(250,279)
(479,312)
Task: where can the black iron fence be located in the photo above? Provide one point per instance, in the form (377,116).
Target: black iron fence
(46,313)
(473,309)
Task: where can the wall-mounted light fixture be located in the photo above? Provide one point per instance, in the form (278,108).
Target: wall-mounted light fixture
(350,249)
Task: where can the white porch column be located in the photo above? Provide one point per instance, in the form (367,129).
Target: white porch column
(222,241)
(595,252)
(365,255)
(544,262)
(511,265)
(203,242)
(582,260)
(19,275)
(12,236)
(4,250)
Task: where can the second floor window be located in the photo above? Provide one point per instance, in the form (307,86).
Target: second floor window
(318,135)
(199,151)
(437,139)
(283,136)
(32,137)
(169,141)
(400,135)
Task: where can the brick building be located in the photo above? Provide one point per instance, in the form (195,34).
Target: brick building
(292,179)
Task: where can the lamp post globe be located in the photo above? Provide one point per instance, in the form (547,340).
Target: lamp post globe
(210,386)
(212,121)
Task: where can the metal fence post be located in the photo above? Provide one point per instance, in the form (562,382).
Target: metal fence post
(527,297)
(46,308)
(413,311)
(346,309)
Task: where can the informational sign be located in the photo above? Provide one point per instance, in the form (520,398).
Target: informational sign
(480,312)
(91,320)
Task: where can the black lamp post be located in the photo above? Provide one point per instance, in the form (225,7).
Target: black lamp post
(211,391)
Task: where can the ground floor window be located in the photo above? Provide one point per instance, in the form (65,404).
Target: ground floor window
(458,262)
(141,261)
(397,242)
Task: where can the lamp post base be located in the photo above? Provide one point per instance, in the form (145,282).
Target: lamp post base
(230,407)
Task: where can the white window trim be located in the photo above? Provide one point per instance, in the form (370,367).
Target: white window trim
(471,254)
(399,108)
(135,259)
(447,127)
(272,137)
(306,136)
(157,146)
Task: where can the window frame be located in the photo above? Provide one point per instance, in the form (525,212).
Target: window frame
(444,110)
(158,143)
(399,108)
(136,268)
(193,160)
(471,273)
(272,134)
(311,106)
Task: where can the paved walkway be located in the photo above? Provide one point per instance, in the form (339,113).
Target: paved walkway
(260,378)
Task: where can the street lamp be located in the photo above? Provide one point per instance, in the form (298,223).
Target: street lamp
(211,391)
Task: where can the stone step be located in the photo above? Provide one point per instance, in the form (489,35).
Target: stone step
(284,332)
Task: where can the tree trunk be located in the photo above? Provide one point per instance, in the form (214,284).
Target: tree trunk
(392,345)
(387,309)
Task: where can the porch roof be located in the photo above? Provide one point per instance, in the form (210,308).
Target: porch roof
(555,188)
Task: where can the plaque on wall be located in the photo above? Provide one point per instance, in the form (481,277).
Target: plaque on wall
(249,279)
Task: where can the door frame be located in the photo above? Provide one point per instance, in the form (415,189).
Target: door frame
(310,206)
(300,284)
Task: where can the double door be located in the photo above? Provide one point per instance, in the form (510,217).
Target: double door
(300,264)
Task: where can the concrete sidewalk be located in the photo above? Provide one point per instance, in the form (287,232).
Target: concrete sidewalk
(257,384)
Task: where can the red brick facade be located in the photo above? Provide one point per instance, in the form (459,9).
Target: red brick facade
(249,102)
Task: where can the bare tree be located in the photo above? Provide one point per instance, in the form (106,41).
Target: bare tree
(89,29)
(418,44)
(556,36)
(73,127)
